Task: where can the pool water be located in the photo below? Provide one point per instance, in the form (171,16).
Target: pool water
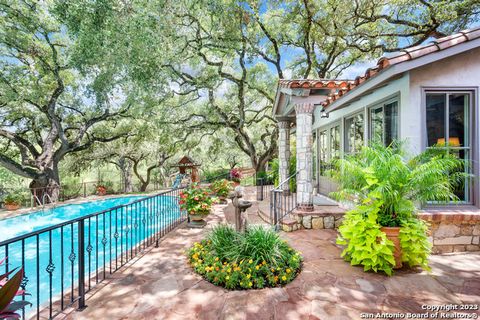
(19,225)
(107,236)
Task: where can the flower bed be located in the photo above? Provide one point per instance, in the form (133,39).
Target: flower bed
(254,260)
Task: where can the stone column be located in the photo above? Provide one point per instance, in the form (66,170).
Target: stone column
(304,112)
(284,152)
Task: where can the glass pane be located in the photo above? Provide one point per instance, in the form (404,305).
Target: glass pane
(354,130)
(458,120)
(323,151)
(376,116)
(462,190)
(436,104)
(335,142)
(315,155)
(391,122)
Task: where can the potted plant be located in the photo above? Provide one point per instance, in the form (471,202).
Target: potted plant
(101,190)
(12,202)
(198,203)
(221,188)
(235,176)
(383,231)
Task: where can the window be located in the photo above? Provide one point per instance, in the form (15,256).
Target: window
(448,127)
(329,147)
(384,123)
(354,128)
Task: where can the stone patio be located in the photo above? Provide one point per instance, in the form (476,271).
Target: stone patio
(161,285)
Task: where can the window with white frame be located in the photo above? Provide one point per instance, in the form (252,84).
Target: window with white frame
(329,146)
(354,133)
(384,122)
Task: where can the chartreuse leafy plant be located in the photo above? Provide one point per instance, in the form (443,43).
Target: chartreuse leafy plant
(258,258)
(385,187)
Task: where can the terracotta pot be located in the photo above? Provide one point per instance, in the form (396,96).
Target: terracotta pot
(12,207)
(236,183)
(101,192)
(392,234)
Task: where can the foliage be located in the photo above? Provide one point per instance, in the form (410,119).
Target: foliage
(235,174)
(365,244)
(384,186)
(9,288)
(414,243)
(212,175)
(383,174)
(256,259)
(196,200)
(13,199)
(221,187)
(273,173)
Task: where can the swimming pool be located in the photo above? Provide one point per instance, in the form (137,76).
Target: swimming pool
(47,243)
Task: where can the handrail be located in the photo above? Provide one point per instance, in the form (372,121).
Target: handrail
(284,182)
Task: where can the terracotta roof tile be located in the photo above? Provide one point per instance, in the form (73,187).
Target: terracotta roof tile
(406,55)
(313,84)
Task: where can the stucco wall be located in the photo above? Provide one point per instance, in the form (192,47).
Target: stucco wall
(460,71)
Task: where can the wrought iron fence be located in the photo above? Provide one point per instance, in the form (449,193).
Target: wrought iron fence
(264,186)
(282,201)
(65,261)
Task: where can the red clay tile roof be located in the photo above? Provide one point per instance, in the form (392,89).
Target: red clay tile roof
(406,55)
(314,84)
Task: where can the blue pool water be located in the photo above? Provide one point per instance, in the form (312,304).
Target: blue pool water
(50,258)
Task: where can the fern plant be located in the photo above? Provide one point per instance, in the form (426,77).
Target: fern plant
(385,187)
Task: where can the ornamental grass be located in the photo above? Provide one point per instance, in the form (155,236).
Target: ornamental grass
(257,259)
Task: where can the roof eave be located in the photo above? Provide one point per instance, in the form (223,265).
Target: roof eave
(396,69)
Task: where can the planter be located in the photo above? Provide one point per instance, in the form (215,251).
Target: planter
(392,234)
(101,192)
(196,220)
(236,183)
(12,206)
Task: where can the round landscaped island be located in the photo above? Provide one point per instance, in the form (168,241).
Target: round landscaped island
(255,259)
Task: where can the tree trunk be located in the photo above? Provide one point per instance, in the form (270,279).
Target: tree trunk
(125,166)
(46,188)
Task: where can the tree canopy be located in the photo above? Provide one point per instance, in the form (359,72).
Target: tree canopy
(73,73)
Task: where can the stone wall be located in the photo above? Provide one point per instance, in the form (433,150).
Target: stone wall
(329,218)
(453,231)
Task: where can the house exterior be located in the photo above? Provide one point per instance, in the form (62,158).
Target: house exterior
(424,95)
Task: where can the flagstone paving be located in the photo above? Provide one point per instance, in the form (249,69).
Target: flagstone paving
(161,285)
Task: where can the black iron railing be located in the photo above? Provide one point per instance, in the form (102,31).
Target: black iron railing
(65,261)
(264,186)
(282,201)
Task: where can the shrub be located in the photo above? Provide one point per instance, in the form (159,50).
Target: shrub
(218,174)
(256,259)
(196,200)
(221,187)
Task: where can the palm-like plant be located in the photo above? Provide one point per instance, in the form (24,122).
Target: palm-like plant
(383,174)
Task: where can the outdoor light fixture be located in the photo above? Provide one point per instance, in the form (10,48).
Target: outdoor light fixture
(323,113)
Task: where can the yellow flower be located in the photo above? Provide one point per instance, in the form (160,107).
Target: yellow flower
(273,270)
(250,261)
(225,263)
(275,279)
(248,276)
(284,278)
(227,277)
(288,270)
(257,267)
(229,270)
(216,259)
(250,284)
(264,262)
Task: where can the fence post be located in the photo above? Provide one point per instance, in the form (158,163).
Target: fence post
(84,190)
(275,208)
(81,264)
